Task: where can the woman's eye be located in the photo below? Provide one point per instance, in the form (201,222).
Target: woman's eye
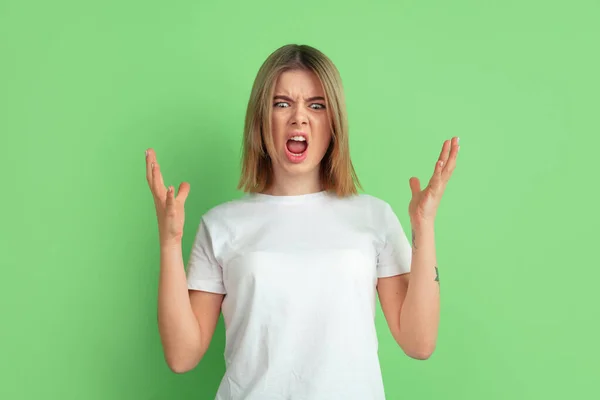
(283,104)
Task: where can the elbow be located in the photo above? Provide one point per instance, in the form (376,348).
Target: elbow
(420,353)
(180,371)
(182,359)
(181,365)
(179,368)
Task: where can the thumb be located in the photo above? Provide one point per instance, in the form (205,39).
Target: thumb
(184,190)
(415,186)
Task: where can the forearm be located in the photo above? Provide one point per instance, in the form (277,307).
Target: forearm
(177,324)
(419,316)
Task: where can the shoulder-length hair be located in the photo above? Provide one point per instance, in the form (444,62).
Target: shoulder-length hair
(337,172)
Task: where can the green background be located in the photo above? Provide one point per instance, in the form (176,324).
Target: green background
(86,87)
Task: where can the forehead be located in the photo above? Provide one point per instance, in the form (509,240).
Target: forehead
(298,82)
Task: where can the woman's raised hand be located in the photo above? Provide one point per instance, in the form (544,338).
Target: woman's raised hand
(169,208)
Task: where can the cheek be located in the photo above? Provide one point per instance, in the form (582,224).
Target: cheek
(278,130)
(324,136)
(322,143)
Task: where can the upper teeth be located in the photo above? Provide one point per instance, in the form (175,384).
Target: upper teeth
(298,138)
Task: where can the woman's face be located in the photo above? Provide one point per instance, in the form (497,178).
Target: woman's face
(300,125)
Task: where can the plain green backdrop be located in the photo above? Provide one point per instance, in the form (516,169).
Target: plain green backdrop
(86,87)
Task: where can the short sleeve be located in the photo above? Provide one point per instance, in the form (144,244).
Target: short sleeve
(203,271)
(396,254)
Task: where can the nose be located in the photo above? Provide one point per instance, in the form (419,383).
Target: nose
(299,117)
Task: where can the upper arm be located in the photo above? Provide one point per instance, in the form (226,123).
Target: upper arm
(207,308)
(394,255)
(392,292)
(206,288)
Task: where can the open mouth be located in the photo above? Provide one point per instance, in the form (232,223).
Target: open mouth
(297,145)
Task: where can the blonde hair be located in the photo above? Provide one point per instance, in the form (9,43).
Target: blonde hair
(337,172)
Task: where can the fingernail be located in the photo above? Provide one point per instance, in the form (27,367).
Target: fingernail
(152,166)
(458,141)
(146,153)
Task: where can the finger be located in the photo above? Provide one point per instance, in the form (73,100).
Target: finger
(157,179)
(170,199)
(149,154)
(440,162)
(444,154)
(184,190)
(451,163)
(436,178)
(151,169)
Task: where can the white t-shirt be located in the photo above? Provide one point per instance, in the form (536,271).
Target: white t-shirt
(300,275)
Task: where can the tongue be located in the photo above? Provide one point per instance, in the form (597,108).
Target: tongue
(296,147)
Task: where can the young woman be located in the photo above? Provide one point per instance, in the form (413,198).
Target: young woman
(295,264)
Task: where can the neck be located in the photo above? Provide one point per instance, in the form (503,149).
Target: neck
(294,185)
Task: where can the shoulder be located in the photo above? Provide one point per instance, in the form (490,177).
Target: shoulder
(225,210)
(373,201)
(229,214)
(376,211)
(369,203)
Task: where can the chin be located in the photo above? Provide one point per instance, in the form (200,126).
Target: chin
(300,168)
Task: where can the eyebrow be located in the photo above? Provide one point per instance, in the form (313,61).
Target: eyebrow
(280,97)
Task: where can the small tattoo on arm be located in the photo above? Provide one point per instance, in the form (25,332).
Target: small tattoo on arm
(437,275)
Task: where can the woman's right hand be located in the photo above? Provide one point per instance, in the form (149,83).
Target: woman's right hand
(169,208)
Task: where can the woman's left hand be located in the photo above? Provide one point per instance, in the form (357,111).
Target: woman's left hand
(424,203)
